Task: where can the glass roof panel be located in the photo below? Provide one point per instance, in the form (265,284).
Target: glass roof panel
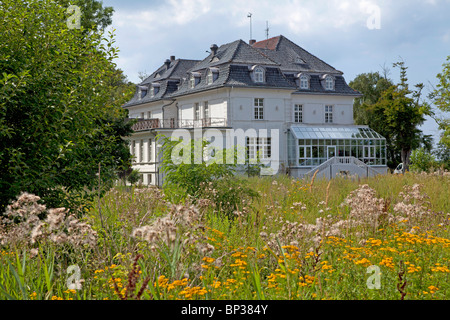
(304,132)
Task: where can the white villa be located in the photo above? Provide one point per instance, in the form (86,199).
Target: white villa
(272,84)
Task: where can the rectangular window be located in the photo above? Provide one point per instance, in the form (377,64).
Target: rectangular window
(133,150)
(197,111)
(149,151)
(149,115)
(149,178)
(205,110)
(141,151)
(298,113)
(328,114)
(259,109)
(210,77)
(259,148)
(142,115)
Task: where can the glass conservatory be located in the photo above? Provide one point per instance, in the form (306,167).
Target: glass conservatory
(310,146)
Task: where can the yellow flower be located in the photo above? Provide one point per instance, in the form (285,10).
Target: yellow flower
(70,291)
(208,260)
(433,289)
(363,262)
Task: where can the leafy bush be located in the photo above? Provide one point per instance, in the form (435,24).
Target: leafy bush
(230,196)
(422,160)
(134,177)
(184,172)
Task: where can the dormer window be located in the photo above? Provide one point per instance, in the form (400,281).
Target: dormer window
(213,74)
(258,74)
(142,92)
(304,81)
(329,83)
(154,89)
(195,79)
(299,60)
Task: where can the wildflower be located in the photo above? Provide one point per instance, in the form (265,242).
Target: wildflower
(363,262)
(433,289)
(208,260)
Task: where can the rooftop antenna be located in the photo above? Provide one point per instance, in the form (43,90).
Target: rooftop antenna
(267,30)
(250,16)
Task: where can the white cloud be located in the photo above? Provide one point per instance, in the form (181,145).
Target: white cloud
(172,13)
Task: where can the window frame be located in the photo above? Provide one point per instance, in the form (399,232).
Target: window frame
(329,80)
(298,113)
(196,111)
(259,74)
(149,150)
(304,79)
(261,145)
(329,113)
(206,114)
(258,109)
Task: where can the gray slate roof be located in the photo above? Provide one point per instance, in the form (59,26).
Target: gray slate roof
(285,52)
(277,55)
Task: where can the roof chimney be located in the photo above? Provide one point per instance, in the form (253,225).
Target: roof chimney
(167,63)
(172,58)
(214,48)
(252,42)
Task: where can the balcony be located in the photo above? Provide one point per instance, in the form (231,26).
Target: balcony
(148,124)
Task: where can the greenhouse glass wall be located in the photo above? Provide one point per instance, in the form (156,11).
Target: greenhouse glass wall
(310,146)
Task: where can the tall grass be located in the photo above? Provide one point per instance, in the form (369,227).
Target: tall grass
(300,239)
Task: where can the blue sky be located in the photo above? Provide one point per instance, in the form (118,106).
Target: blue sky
(354,36)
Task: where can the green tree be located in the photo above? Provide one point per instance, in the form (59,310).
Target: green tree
(421,160)
(94,16)
(401,111)
(442,153)
(61,128)
(441,98)
(197,170)
(186,168)
(372,85)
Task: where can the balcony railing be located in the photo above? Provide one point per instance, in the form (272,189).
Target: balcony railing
(147,124)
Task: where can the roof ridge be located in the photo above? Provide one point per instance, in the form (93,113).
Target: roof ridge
(239,42)
(308,53)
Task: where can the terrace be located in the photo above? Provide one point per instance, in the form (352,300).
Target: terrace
(149,124)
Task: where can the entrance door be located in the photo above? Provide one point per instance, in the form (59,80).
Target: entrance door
(331,152)
(369,154)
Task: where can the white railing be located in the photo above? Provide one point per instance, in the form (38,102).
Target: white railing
(342,161)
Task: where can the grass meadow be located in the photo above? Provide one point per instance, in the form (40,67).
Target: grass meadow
(385,238)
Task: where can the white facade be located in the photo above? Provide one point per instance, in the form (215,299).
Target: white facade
(243,105)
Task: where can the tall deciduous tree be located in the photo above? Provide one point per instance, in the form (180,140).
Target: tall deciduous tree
(372,85)
(441,98)
(59,122)
(401,112)
(94,16)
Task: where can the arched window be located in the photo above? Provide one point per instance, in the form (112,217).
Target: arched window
(329,83)
(258,74)
(304,81)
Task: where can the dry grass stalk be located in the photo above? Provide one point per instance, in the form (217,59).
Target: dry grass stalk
(328,194)
(401,281)
(312,180)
